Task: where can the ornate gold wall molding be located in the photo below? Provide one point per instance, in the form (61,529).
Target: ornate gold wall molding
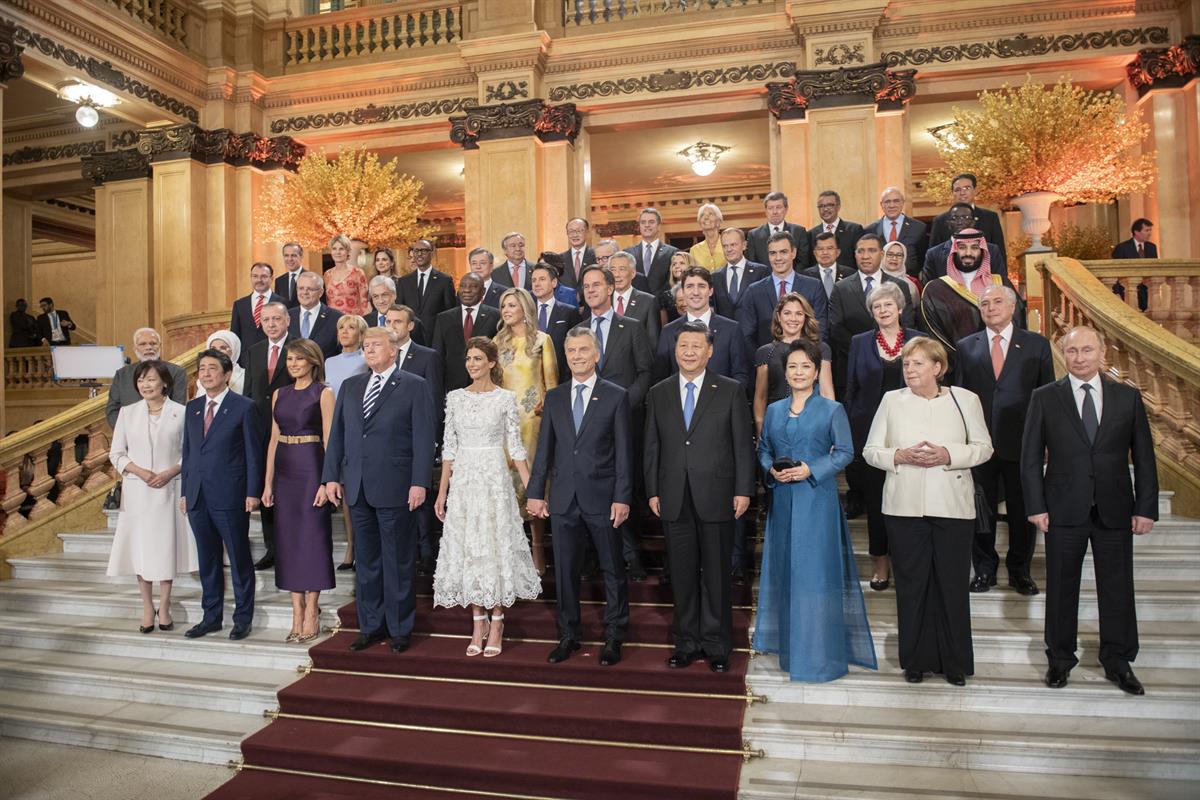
(11,67)
(525,118)
(1165,67)
(782,45)
(671,81)
(1024,46)
(372,114)
(873,83)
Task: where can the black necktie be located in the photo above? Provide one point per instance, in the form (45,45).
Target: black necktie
(1091,422)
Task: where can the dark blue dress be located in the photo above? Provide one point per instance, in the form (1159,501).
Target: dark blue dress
(303,536)
(810,604)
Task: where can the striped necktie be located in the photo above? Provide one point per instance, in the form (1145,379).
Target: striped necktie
(372,395)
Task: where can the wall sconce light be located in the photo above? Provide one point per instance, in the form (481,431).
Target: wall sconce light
(88,98)
(948,135)
(703,156)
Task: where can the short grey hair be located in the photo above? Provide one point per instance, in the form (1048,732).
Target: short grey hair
(508,236)
(1008,293)
(884,291)
(889,190)
(624,256)
(580,331)
(276,304)
(710,207)
(313,276)
(616,248)
(382,280)
(297,245)
(478,250)
(140,331)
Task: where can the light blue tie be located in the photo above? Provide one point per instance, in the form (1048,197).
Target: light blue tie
(689,405)
(543,320)
(577,408)
(600,335)
(870,284)
(305,325)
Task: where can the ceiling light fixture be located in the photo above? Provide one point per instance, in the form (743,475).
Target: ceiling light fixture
(948,135)
(88,98)
(703,156)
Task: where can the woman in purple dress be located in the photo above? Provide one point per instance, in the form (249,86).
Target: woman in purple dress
(304,539)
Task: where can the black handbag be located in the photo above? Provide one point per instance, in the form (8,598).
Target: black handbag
(112,501)
(983,509)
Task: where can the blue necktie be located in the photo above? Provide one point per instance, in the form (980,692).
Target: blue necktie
(733,284)
(689,405)
(372,395)
(305,326)
(543,317)
(600,335)
(870,284)
(577,408)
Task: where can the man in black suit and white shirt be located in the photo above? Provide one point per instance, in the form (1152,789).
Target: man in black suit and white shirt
(729,352)
(651,256)
(895,226)
(828,268)
(1139,245)
(553,318)
(312,319)
(758,306)
(629,301)
(1086,427)
(699,471)
(481,262)
(425,290)
(515,269)
(1003,364)
(578,253)
(285,284)
(985,220)
(455,326)
(54,326)
(246,323)
(846,234)
(732,280)
(776,204)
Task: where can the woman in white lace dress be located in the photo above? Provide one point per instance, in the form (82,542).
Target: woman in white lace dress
(484,560)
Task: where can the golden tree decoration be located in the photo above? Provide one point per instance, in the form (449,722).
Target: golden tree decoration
(1063,139)
(354,194)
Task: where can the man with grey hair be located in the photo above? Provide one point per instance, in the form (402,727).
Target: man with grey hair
(894,226)
(147,346)
(515,269)
(481,262)
(628,300)
(776,206)
(312,319)
(1003,364)
(382,290)
(653,257)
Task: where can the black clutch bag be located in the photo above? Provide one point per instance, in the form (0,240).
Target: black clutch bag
(983,509)
(783,463)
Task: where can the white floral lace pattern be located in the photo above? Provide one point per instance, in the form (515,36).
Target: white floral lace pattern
(484,558)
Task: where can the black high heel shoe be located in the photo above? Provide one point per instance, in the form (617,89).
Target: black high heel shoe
(170,626)
(148,628)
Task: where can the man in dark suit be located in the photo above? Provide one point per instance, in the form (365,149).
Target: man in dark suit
(1139,245)
(959,218)
(895,226)
(776,205)
(246,322)
(964,187)
(515,269)
(380,458)
(312,319)
(553,318)
(652,257)
(23,328)
(123,391)
(481,262)
(1087,436)
(455,326)
(222,482)
(424,362)
(1003,365)
(731,281)
(758,306)
(846,234)
(629,301)
(382,291)
(728,349)
(425,290)
(829,269)
(285,284)
(586,447)
(578,253)
(699,472)
(53,326)
(266,371)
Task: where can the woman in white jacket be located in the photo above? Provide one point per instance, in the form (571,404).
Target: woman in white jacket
(926,440)
(153,540)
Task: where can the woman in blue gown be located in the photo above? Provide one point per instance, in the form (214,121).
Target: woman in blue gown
(810,604)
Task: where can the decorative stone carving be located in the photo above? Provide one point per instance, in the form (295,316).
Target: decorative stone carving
(192,141)
(671,81)
(1022,46)
(116,165)
(1166,67)
(838,55)
(888,89)
(372,114)
(505,120)
(506,90)
(11,67)
(33,155)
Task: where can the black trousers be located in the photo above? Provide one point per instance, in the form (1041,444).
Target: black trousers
(1022,537)
(700,554)
(931,557)
(573,530)
(1112,554)
(870,486)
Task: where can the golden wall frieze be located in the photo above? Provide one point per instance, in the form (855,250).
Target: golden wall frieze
(671,81)
(774,47)
(372,115)
(1025,46)
(534,117)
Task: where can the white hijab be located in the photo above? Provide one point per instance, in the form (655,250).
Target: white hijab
(237,378)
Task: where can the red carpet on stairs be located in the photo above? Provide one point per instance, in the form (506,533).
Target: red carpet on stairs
(432,723)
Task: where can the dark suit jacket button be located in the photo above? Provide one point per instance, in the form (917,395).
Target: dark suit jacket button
(576,452)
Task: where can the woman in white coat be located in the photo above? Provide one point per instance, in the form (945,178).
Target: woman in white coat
(153,540)
(926,440)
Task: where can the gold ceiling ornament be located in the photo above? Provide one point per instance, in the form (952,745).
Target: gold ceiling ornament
(703,156)
(1036,138)
(354,194)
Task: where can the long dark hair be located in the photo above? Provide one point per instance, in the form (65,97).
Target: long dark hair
(491,353)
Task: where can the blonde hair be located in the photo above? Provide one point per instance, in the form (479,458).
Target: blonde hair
(713,208)
(341,239)
(505,340)
(930,348)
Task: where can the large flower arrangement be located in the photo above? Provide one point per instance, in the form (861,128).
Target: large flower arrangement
(354,194)
(1063,139)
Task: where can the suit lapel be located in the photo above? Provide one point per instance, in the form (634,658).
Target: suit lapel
(384,392)
(1108,401)
(588,410)
(708,389)
(218,419)
(1066,396)
(1014,352)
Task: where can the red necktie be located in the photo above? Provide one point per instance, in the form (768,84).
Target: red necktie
(829,228)
(1139,247)
(516,270)
(272,362)
(997,355)
(258,312)
(468,326)
(576,263)
(892,236)
(208,415)
(782,288)
(621,305)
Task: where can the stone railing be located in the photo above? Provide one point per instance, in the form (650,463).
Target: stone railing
(378,30)
(1167,290)
(1165,367)
(582,13)
(171,18)
(28,368)
(187,331)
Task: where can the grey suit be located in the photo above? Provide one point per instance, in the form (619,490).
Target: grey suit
(123,392)
(643,307)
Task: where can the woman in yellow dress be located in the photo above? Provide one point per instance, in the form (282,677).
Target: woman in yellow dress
(530,370)
(708,253)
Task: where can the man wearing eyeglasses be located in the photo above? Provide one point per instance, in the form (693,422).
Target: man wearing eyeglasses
(425,289)
(846,233)
(895,226)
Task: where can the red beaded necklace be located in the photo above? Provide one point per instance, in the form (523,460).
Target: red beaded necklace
(890,351)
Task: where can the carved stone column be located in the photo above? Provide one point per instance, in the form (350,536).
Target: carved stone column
(124,239)
(11,68)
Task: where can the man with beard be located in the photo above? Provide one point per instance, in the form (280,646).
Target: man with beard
(958,218)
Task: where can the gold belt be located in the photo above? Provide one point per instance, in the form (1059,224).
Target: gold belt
(300,439)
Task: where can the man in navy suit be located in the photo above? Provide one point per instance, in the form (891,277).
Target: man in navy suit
(731,281)
(729,354)
(1003,365)
(776,205)
(515,269)
(653,257)
(586,448)
(895,226)
(246,322)
(481,262)
(380,458)
(423,361)
(286,284)
(758,305)
(829,268)
(631,302)
(553,318)
(311,319)
(1139,245)
(222,481)
(845,233)
(578,254)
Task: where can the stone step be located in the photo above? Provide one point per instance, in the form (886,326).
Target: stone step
(99,543)
(1039,743)
(147,729)
(849,779)
(995,689)
(1149,564)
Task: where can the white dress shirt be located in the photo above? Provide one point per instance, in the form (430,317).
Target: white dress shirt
(653,252)
(266,298)
(387,373)
(1005,339)
(876,279)
(698,382)
(738,269)
(474,314)
(588,385)
(219,399)
(1097,394)
(625,297)
(403,351)
(312,317)
(524,265)
(706,318)
(831,227)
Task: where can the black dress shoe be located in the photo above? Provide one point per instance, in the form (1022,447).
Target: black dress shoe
(266,562)
(739,577)
(1057,678)
(680,660)
(399,644)
(343,567)
(1126,680)
(719,664)
(1023,584)
(956,679)
(982,583)
(365,640)
(635,572)
(914,675)
(664,579)
(611,654)
(564,650)
(239,632)
(880,585)
(203,629)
